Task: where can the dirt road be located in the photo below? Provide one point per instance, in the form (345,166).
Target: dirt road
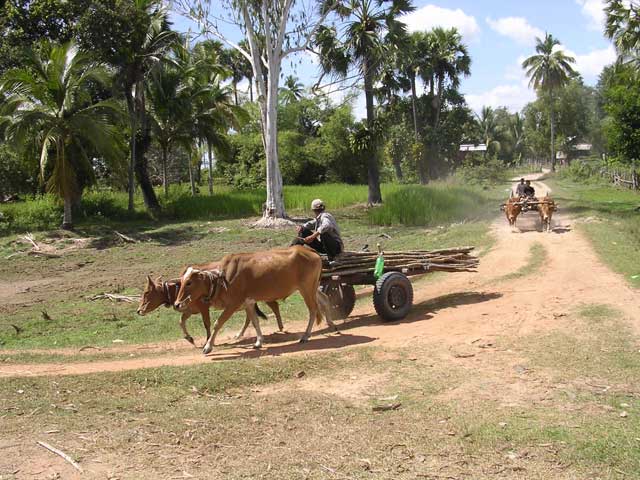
(455,310)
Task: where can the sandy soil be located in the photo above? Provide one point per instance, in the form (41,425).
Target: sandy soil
(456,311)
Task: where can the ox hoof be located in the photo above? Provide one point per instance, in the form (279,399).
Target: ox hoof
(207,349)
(304,340)
(257,346)
(189,339)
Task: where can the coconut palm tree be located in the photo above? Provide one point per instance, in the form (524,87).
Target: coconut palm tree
(210,111)
(549,70)
(371,31)
(141,56)
(447,61)
(292,91)
(490,130)
(623,27)
(168,111)
(516,129)
(48,107)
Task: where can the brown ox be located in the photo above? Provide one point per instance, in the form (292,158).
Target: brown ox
(546,207)
(246,278)
(160,293)
(512,209)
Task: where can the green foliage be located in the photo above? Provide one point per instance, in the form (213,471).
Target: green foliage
(26,24)
(435,204)
(16,175)
(480,170)
(622,104)
(583,171)
(313,146)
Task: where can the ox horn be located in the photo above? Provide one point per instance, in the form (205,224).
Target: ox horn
(149,281)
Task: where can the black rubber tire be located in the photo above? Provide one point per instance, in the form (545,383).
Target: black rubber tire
(342,305)
(393,296)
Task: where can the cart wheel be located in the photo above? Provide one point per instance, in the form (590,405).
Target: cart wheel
(342,304)
(393,296)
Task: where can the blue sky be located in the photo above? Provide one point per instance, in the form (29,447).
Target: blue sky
(499,34)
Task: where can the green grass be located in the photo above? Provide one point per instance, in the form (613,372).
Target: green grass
(440,202)
(537,258)
(610,218)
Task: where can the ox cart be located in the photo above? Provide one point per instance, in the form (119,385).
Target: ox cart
(392,293)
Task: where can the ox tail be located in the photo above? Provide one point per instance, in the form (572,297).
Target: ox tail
(324,308)
(259,312)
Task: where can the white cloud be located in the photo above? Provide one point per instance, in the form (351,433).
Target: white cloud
(517,29)
(429,16)
(590,64)
(594,10)
(513,96)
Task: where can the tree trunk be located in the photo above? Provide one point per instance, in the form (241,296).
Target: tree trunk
(210,170)
(251,89)
(553,146)
(373,174)
(191,179)
(142,143)
(413,105)
(398,168)
(67,219)
(275,198)
(235,92)
(165,179)
(132,143)
(420,160)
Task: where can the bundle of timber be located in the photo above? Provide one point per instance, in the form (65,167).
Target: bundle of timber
(445,260)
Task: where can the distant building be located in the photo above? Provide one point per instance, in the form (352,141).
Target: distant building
(470,147)
(578,150)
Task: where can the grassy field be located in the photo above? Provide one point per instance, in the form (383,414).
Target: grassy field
(611,219)
(61,314)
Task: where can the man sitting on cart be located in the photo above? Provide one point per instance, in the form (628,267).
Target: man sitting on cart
(322,233)
(529,191)
(520,188)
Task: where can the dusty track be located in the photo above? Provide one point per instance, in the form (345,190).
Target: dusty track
(455,310)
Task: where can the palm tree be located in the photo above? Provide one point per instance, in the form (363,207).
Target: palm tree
(140,58)
(447,61)
(414,62)
(623,27)
(549,70)
(292,91)
(371,32)
(489,130)
(516,129)
(48,106)
(169,109)
(209,110)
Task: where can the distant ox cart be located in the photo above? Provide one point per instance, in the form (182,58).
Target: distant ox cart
(517,205)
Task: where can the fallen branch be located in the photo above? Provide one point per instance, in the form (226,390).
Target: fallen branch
(125,238)
(386,408)
(38,253)
(29,238)
(61,454)
(116,298)
(87,347)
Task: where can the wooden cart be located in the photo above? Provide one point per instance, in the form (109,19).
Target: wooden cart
(392,293)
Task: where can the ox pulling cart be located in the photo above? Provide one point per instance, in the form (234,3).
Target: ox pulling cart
(392,293)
